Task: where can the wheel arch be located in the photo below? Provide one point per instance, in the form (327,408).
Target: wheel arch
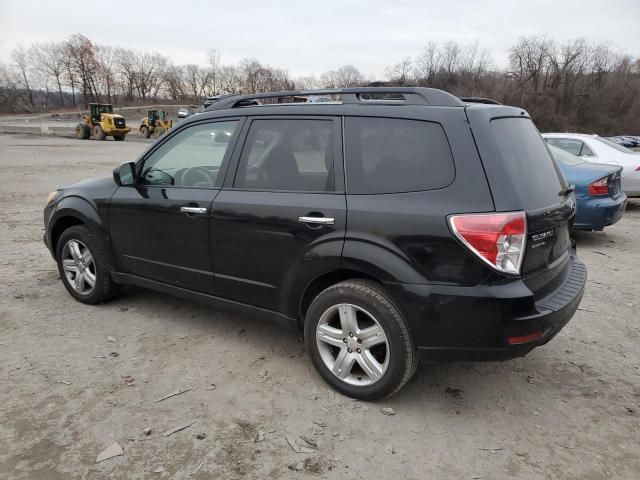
(73,211)
(324,281)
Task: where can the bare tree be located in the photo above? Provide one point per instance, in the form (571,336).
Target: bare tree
(50,60)
(106,66)
(306,83)
(85,65)
(401,71)
(214,71)
(344,77)
(24,72)
(125,61)
(173,80)
(230,79)
(428,63)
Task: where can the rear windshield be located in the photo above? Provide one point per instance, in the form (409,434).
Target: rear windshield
(531,168)
(615,145)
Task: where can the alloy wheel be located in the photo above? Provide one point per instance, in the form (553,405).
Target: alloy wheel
(352,344)
(79,267)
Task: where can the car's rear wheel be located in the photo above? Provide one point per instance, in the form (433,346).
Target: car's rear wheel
(85,266)
(359,341)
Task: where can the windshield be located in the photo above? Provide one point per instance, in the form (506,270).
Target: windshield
(105,109)
(613,144)
(565,157)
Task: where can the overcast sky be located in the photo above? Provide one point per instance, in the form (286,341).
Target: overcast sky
(321,36)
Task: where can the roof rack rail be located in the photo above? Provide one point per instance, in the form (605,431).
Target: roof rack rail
(488,101)
(356,95)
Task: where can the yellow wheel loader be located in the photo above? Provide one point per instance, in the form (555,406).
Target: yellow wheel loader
(102,123)
(155,123)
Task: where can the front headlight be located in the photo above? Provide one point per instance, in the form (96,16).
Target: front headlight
(52,197)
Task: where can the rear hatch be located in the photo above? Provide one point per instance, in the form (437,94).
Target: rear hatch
(524,177)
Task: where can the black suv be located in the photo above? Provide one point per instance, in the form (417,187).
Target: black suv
(385,223)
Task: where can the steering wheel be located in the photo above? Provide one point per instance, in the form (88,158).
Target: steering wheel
(197,177)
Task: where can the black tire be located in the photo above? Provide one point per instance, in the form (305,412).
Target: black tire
(145,132)
(105,288)
(119,138)
(82,131)
(158,131)
(98,133)
(402,354)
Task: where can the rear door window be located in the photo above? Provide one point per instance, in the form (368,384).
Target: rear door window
(288,154)
(531,168)
(390,155)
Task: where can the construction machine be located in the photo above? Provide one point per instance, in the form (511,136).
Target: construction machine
(101,123)
(155,123)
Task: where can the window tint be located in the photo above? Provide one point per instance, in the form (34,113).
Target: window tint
(284,154)
(386,155)
(536,176)
(192,158)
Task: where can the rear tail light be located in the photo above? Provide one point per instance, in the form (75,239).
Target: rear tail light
(599,187)
(497,238)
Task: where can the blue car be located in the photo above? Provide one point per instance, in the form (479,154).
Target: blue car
(600,201)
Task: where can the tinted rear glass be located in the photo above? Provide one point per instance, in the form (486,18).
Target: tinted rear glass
(389,155)
(529,164)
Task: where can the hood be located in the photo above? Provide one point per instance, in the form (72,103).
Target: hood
(100,183)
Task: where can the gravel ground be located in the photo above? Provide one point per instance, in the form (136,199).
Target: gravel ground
(76,379)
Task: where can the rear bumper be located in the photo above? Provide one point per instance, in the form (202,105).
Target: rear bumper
(477,323)
(597,213)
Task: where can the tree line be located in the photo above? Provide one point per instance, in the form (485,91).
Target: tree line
(573,85)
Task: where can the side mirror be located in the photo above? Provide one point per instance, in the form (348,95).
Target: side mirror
(125,174)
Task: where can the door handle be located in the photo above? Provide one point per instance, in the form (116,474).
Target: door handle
(193,209)
(317,220)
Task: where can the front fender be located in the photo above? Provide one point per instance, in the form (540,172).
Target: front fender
(79,209)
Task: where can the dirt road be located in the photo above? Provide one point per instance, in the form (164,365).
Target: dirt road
(75,379)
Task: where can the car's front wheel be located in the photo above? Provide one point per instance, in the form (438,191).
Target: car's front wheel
(85,266)
(359,341)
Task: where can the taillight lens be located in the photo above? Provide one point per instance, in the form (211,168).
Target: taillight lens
(599,187)
(497,238)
